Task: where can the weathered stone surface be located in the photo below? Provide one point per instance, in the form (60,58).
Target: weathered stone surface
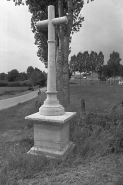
(51,101)
(51,123)
(51,135)
(51,119)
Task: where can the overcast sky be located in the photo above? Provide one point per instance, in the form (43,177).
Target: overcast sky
(102,30)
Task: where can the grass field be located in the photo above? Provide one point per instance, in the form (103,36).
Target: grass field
(97,158)
(6,92)
(12,89)
(99,98)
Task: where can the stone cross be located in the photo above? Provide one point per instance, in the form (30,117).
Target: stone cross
(51,106)
(51,123)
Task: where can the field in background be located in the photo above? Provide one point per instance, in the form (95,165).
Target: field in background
(8,92)
(89,80)
(12,89)
(100,98)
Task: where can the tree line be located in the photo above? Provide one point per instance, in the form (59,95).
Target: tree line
(94,62)
(32,76)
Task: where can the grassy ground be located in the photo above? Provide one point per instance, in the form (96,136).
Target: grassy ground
(99,98)
(98,135)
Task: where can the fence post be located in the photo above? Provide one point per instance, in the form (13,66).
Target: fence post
(83,111)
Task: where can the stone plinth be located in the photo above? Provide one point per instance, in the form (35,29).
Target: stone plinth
(51,135)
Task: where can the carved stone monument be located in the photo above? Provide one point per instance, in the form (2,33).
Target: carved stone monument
(51,123)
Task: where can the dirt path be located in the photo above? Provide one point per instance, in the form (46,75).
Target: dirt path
(6,103)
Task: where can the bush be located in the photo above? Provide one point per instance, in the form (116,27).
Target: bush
(19,84)
(3,83)
(14,84)
(103,78)
(98,134)
(25,83)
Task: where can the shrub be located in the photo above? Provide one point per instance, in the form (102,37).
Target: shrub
(3,83)
(98,134)
(25,83)
(14,84)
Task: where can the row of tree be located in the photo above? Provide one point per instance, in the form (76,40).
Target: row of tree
(94,62)
(35,75)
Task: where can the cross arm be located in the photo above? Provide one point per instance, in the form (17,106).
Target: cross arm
(42,24)
(59,20)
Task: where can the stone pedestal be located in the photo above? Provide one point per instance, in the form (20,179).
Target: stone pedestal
(51,135)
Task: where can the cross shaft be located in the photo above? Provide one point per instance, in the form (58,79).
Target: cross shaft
(51,106)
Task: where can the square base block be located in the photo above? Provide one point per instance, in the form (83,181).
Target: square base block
(52,154)
(51,135)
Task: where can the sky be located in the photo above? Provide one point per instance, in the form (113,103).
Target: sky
(102,30)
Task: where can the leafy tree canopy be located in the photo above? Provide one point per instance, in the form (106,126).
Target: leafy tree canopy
(114,63)
(30,69)
(73,63)
(13,75)
(3,76)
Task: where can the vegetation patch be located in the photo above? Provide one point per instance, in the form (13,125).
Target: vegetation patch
(97,135)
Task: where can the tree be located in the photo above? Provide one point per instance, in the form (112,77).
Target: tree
(100,62)
(45,74)
(70,74)
(37,77)
(93,62)
(22,76)
(30,69)
(114,63)
(63,37)
(85,61)
(3,76)
(105,72)
(34,78)
(13,75)
(80,64)
(121,70)
(73,64)
(42,78)
(38,70)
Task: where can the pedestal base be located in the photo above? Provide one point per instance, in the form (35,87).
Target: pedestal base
(52,154)
(51,106)
(51,135)
(51,110)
